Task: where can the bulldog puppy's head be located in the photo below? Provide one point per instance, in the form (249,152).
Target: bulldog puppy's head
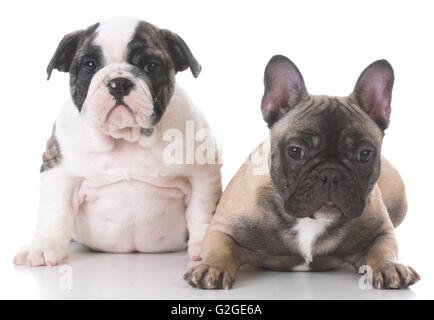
(122,73)
(325,151)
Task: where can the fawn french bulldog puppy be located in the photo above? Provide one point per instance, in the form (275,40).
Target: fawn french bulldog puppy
(328,198)
(105,179)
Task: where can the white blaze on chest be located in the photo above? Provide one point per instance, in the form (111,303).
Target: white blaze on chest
(308,230)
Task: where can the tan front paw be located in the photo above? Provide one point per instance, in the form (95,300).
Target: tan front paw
(207,277)
(394,276)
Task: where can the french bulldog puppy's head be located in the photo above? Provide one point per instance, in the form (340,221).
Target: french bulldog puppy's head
(122,73)
(325,151)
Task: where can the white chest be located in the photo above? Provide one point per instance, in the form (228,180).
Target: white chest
(308,230)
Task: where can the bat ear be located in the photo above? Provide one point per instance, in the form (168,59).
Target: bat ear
(65,52)
(284,88)
(180,53)
(373,92)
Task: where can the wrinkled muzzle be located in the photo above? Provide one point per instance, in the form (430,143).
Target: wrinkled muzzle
(326,194)
(118,103)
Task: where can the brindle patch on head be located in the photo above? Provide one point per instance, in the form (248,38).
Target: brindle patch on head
(69,56)
(330,131)
(148,46)
(80,78)
(52,156)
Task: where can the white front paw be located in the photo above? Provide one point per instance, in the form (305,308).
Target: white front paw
(40,253)
(194,250)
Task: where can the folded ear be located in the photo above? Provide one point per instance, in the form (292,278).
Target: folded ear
(284,88)
(180,53)
(373,91)
(65,52)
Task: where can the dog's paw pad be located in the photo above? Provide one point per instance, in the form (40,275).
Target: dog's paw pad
(394,276)
(36,255)
(207,277)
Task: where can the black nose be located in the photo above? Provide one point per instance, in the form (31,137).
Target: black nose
(120,87)
(330,177)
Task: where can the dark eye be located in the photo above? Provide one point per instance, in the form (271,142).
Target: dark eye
(90,65)
(365,155)
(152,67)
(295,152)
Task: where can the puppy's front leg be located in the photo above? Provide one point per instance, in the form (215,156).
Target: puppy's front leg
(220,261)
(381,252)
(55,221)
(388,273)
(206,192)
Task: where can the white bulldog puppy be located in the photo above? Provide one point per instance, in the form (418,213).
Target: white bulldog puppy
(131,166)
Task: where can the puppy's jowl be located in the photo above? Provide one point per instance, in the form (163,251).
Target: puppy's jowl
(328,199)
(104,179)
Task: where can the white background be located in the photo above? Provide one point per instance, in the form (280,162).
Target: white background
(330,41)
